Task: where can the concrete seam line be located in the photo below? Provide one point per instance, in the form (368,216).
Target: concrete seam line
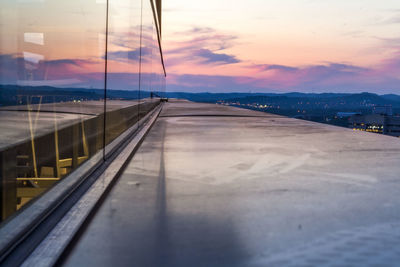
(49,250)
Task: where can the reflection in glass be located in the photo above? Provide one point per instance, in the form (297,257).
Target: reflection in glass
(51,57)
(148,85)
(122,103)
(55,112)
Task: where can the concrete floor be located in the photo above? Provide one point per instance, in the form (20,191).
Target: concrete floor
(246,188)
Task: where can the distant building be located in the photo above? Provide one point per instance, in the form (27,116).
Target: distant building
(346,114)
(370,123)
(393,126)
(383,110)
(381,121)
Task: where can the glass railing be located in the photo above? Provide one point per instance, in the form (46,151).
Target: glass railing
(74,76)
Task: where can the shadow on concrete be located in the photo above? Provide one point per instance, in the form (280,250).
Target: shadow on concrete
(136,227)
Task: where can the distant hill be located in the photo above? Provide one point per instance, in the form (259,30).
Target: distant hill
(211,97)
(322,101)
(294,100)
(322,108)
(392,97)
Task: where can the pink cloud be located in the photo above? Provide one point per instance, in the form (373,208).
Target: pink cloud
(205,46)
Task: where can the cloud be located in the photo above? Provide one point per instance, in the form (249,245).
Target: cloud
(328,68)
(346,67)
(63,62)
(390,43)
(9,65)
(13,61)
(266,67)
(329,77)
(201,45)
(325,77)
(337,76)
(126,39)
(197,30)
(354,33)
(125,46)
(16,69)
(209,57)
(331,70)
(210,83)
(71,73)
(10,61)
(134,55)
(394,19)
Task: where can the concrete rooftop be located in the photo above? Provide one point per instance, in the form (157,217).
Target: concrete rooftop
(219,186)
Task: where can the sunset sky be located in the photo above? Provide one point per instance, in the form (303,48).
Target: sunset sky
(282,45)
(209,45)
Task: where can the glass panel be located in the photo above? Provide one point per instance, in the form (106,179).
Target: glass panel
(149,98)
(52,93)
(52,86)
(123,67)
